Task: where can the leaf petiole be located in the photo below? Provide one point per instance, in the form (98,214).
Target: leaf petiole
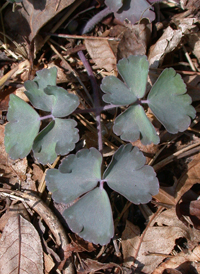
(50,116)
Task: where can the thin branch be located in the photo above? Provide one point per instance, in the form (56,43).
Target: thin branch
(96,98)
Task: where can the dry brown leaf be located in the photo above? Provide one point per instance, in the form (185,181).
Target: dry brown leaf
(20,248)
(158,242)
(135,40)
(188,179)
(193,85)
(28,21)
(177,262)
(101,53)
(48,262)
(91,266)
(169,41)
(194,42)
(12,210)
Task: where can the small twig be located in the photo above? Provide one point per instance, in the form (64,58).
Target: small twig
(188,58)
(176,154)
(82,37)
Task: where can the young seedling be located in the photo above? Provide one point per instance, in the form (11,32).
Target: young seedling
(80,177)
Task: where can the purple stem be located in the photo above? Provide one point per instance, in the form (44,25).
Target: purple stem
(95,89)
(100,109)
(95,20)
(144,101)
(50,116)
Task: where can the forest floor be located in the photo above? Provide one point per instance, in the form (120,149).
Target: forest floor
(159,237)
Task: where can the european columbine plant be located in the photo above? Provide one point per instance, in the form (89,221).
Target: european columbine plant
(79,176)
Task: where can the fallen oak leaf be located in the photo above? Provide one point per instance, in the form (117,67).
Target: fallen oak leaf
(20,248)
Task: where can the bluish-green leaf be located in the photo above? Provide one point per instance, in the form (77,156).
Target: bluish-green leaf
(91,217)
(63,103)
(133,124)
(58,138)
(128,175)
(14,1)
(114,5)
(169,103)
(134,71)
(76,175)
(35,89)
(23,126)
(117,92)
(133,10)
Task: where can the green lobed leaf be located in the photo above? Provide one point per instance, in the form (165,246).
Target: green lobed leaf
(77,174)
(63,103)
(35,88)
(133,124)
(134,71)
(117,92)
(57,138)
(23,126)
(169,103)
(134,11)
(91,217)
(128,175)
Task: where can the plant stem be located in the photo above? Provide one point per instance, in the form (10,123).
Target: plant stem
(144,101)
(95,20)
(95,89)
(50,116)
(100,109)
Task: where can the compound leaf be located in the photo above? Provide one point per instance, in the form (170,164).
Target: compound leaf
(63,103)
(35,88)
(58,138)
(77,174)
(23,126)
(169,103)
(133,124)
(91,217)
(134,71)
(128,175)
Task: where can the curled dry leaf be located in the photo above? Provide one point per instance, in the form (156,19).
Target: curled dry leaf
(101,53)
(20,248)
(182,261)
(170,40)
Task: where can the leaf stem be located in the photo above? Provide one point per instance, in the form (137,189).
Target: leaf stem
(50,116)
(100,109)
(95,89)
(144,101)
(95,20)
